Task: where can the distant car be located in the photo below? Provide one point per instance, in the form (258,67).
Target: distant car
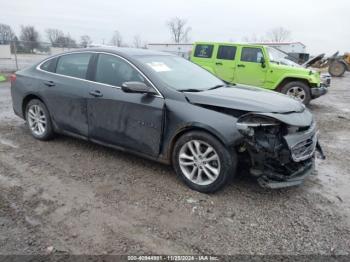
(168,109)
(261,66)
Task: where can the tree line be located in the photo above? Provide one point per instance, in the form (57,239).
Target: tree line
(29,39)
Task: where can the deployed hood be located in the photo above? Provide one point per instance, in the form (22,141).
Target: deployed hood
(246,98)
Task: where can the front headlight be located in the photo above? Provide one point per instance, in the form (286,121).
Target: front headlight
(247,123)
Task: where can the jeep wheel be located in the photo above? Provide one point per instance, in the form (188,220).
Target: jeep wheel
(297,90)
(202,162)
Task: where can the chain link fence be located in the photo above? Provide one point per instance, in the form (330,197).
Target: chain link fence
(16,55)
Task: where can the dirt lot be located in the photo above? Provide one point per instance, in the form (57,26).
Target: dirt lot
(82,198)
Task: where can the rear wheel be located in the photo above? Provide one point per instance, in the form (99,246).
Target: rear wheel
(202,162)
(337,68)
(297,90)
(38,120)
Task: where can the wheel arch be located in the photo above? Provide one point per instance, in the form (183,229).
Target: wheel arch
(27,99)
(289,79)
(191,128)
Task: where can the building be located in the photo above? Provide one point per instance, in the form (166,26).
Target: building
(287,47)
(183,50)
(5,51)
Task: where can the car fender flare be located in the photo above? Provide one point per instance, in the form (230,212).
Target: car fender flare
(195,126)
(29,96)
(289,78)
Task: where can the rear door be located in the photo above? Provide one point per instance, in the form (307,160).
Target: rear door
(66,91)
(130,120)
(249,69)
(225,62)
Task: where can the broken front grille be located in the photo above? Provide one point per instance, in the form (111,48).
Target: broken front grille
(304,149)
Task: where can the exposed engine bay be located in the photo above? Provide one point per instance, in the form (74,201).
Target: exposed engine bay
(281,155)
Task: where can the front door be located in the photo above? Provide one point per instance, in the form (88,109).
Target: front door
(130,120)
(225,63)
(249,69)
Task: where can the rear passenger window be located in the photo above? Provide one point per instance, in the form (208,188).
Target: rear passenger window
(251,54)
(49,65)
(203,51)
(226,52)
(75,65)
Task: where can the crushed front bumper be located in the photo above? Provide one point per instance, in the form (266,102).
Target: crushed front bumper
(272,181)
(293,159)
(294,179)
(319,91)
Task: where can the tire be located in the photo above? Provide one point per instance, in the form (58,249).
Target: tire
(337,69)
(221,169)
(39,120)
(298,90)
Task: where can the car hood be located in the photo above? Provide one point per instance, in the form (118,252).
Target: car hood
(246,98)
(313,60)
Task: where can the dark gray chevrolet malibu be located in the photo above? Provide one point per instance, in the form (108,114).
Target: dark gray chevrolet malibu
(168,109)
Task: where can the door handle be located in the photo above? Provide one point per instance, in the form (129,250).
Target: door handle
(96,93)
(49,83)
(240,65)
(218,63)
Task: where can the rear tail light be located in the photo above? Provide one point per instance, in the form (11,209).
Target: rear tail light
(13,78)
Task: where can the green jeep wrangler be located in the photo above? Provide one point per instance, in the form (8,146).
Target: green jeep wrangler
(260,66)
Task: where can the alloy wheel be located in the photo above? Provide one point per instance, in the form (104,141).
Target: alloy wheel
(199,162)
(297,92)
(37,120)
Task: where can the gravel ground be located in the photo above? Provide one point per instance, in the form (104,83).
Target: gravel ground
(71,196)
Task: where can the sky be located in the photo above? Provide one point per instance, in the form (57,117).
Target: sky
(322,25)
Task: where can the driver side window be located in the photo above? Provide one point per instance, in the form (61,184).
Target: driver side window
(115,71)
(251,54)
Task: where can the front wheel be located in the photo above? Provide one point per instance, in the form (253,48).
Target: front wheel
(297,90)
(202,162)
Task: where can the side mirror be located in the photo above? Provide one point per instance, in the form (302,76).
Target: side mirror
(137,87)
(262,61)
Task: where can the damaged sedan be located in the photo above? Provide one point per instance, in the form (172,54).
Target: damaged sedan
(168,109)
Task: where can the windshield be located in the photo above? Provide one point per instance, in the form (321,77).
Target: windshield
(279,57)
(180,74)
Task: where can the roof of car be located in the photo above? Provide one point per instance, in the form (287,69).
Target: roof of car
(124,51)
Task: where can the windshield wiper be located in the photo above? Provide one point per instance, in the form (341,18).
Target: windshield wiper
(199,90)
(190,90)
(215,87)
